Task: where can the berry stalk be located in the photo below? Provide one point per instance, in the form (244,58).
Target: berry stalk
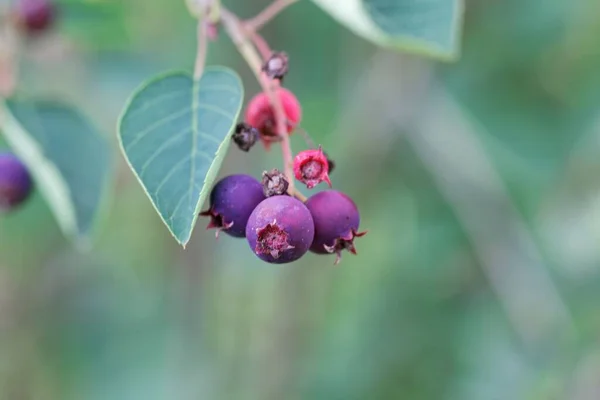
(268,14)
(243,41)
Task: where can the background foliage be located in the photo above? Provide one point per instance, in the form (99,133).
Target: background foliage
(477,180)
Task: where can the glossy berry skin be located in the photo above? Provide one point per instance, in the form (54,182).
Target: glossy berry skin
(15,182)
(280,230)
(35,15)
(260,114)
(232,200)
(336,220)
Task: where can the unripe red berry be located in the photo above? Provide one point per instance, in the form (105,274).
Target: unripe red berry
(311,167)
(15,182)
(336,220)
(232,200)
(280,230)
(35,15)
(261,115)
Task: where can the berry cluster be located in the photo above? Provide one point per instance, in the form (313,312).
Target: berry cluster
(15,182)
(278,225)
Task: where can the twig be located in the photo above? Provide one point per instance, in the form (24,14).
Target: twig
(201,52)
(242,41)
(261,44)
(268,14)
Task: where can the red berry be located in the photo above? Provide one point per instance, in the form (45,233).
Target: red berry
(312,167)
(35,15)
(260,114)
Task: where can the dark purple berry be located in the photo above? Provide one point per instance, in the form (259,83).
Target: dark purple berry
(276,67)
(336,221)
(15,182)
(280,230)
(35,15)
(231,202)
(245,136)
(274,183)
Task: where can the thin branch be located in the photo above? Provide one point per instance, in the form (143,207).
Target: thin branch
(268,14)
(201,52)
(261,44)
(242,41)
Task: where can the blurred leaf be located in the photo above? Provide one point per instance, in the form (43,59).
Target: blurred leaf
(66,155)
(174,133)
(427,27)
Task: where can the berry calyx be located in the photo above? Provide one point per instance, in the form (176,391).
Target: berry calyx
(261,115)
(272,240)
(232,200)
(311,167)
(274,183)
(336,221)
(280,230)
(277,66)
(35,16)
(15,182)
(245,136)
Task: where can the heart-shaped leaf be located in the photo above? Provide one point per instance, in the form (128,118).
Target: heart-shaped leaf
(174,133)
(429,27)
(68,158)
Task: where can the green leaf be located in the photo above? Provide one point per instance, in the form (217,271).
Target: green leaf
(428,27)
(68,158)
(174,133)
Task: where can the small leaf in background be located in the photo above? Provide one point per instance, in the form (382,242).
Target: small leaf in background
(68,158)
(428,27)
(175,133)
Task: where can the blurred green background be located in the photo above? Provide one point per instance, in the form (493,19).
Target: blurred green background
(478,182)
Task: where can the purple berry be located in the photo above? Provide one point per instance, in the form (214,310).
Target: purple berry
(280,230)
(231,202)
(35,15)
(336,221)
(15,182)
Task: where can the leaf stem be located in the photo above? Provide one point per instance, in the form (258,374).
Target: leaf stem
(242,40)
(201,52)
(268,14)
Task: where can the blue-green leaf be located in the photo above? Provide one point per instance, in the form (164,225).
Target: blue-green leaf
(68,158)
(429,27)
(174,133)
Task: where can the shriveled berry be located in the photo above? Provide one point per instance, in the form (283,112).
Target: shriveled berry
(231,202)
(336,221)
(35,15)
(274,183)
(311,167)
(245,136)
(261,115)
(330,163)
(15,182)
(280,230)
(276,67)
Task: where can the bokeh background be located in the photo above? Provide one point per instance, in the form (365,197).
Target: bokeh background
(479,183)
